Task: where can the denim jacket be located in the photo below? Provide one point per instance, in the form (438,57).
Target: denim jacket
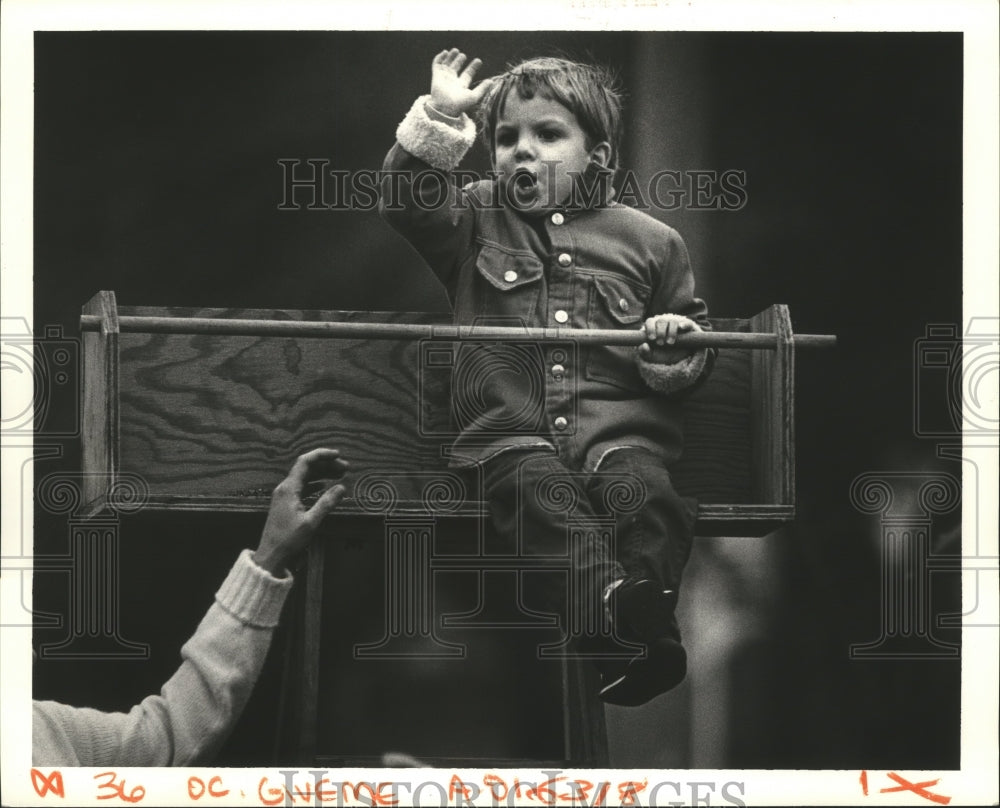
(603,266)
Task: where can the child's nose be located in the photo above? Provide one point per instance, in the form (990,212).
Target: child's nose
(525,149)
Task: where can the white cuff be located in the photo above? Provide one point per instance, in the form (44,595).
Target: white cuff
(251,594)
(435,142)
(672,378)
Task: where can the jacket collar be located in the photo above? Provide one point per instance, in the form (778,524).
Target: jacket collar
(591,190)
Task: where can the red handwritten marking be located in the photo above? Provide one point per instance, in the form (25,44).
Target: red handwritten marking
(323,795)
(494,782)
(302,793)
(583,794)
(276,794)
(312,792)
(580,790)
(917,788)
(864,782)
(378,798)
(545,791)
(373,797)
(518,785)
(628,792)
(43,785)
(118,789)
(197,788)
(456,786)
(211,788)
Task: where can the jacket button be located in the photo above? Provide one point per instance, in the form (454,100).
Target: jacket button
(561,316)
(622,304)
(510,276)
(557,372)
(561,423)
(565,259)
(558,218)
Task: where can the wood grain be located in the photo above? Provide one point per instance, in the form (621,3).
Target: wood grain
(223,416)
(716,464)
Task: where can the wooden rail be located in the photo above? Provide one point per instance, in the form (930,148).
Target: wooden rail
(401,331)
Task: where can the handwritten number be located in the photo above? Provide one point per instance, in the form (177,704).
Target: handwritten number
(118,789)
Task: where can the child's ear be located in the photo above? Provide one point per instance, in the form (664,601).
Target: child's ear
(601,154)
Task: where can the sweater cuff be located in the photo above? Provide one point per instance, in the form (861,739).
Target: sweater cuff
(673,378)
(252,595)
(436,142)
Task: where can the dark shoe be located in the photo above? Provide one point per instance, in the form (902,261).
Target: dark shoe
(643,678)
(643,613)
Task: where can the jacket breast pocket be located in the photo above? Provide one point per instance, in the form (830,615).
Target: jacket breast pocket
(509,286)
(615,304)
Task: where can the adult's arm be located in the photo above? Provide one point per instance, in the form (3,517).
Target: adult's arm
(196,709)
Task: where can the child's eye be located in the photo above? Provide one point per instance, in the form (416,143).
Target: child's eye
(505,138)
(548,135)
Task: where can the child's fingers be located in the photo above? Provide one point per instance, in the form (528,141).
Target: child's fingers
(662,330)
(672,324)
(458,62)
(445,58)
(473,68)
(480,90)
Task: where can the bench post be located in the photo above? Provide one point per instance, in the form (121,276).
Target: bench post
(99,432)
(772,390)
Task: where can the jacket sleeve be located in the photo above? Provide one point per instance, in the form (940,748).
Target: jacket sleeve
(674,294)
(420,197)
(196,709)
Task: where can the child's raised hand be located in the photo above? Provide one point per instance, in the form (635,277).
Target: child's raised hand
(661,334)
(450,93)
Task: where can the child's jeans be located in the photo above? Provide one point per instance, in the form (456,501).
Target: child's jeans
(626,520)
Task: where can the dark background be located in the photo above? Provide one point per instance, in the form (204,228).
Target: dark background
(157,176)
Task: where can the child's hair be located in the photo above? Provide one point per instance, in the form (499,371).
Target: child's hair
(589,91)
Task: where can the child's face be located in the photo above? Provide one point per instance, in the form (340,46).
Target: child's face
(540,147)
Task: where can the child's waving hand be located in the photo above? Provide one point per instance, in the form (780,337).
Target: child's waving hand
(450,93)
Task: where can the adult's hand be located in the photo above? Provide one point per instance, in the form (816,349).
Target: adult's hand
(290,523)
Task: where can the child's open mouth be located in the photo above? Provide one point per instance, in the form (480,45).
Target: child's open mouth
(524,183)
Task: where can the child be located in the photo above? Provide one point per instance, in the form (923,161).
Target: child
(541,243)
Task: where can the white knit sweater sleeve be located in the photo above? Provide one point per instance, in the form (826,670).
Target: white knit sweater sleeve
(199,704)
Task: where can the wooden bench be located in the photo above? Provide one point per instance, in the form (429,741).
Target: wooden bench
(211,422)
(215,421)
